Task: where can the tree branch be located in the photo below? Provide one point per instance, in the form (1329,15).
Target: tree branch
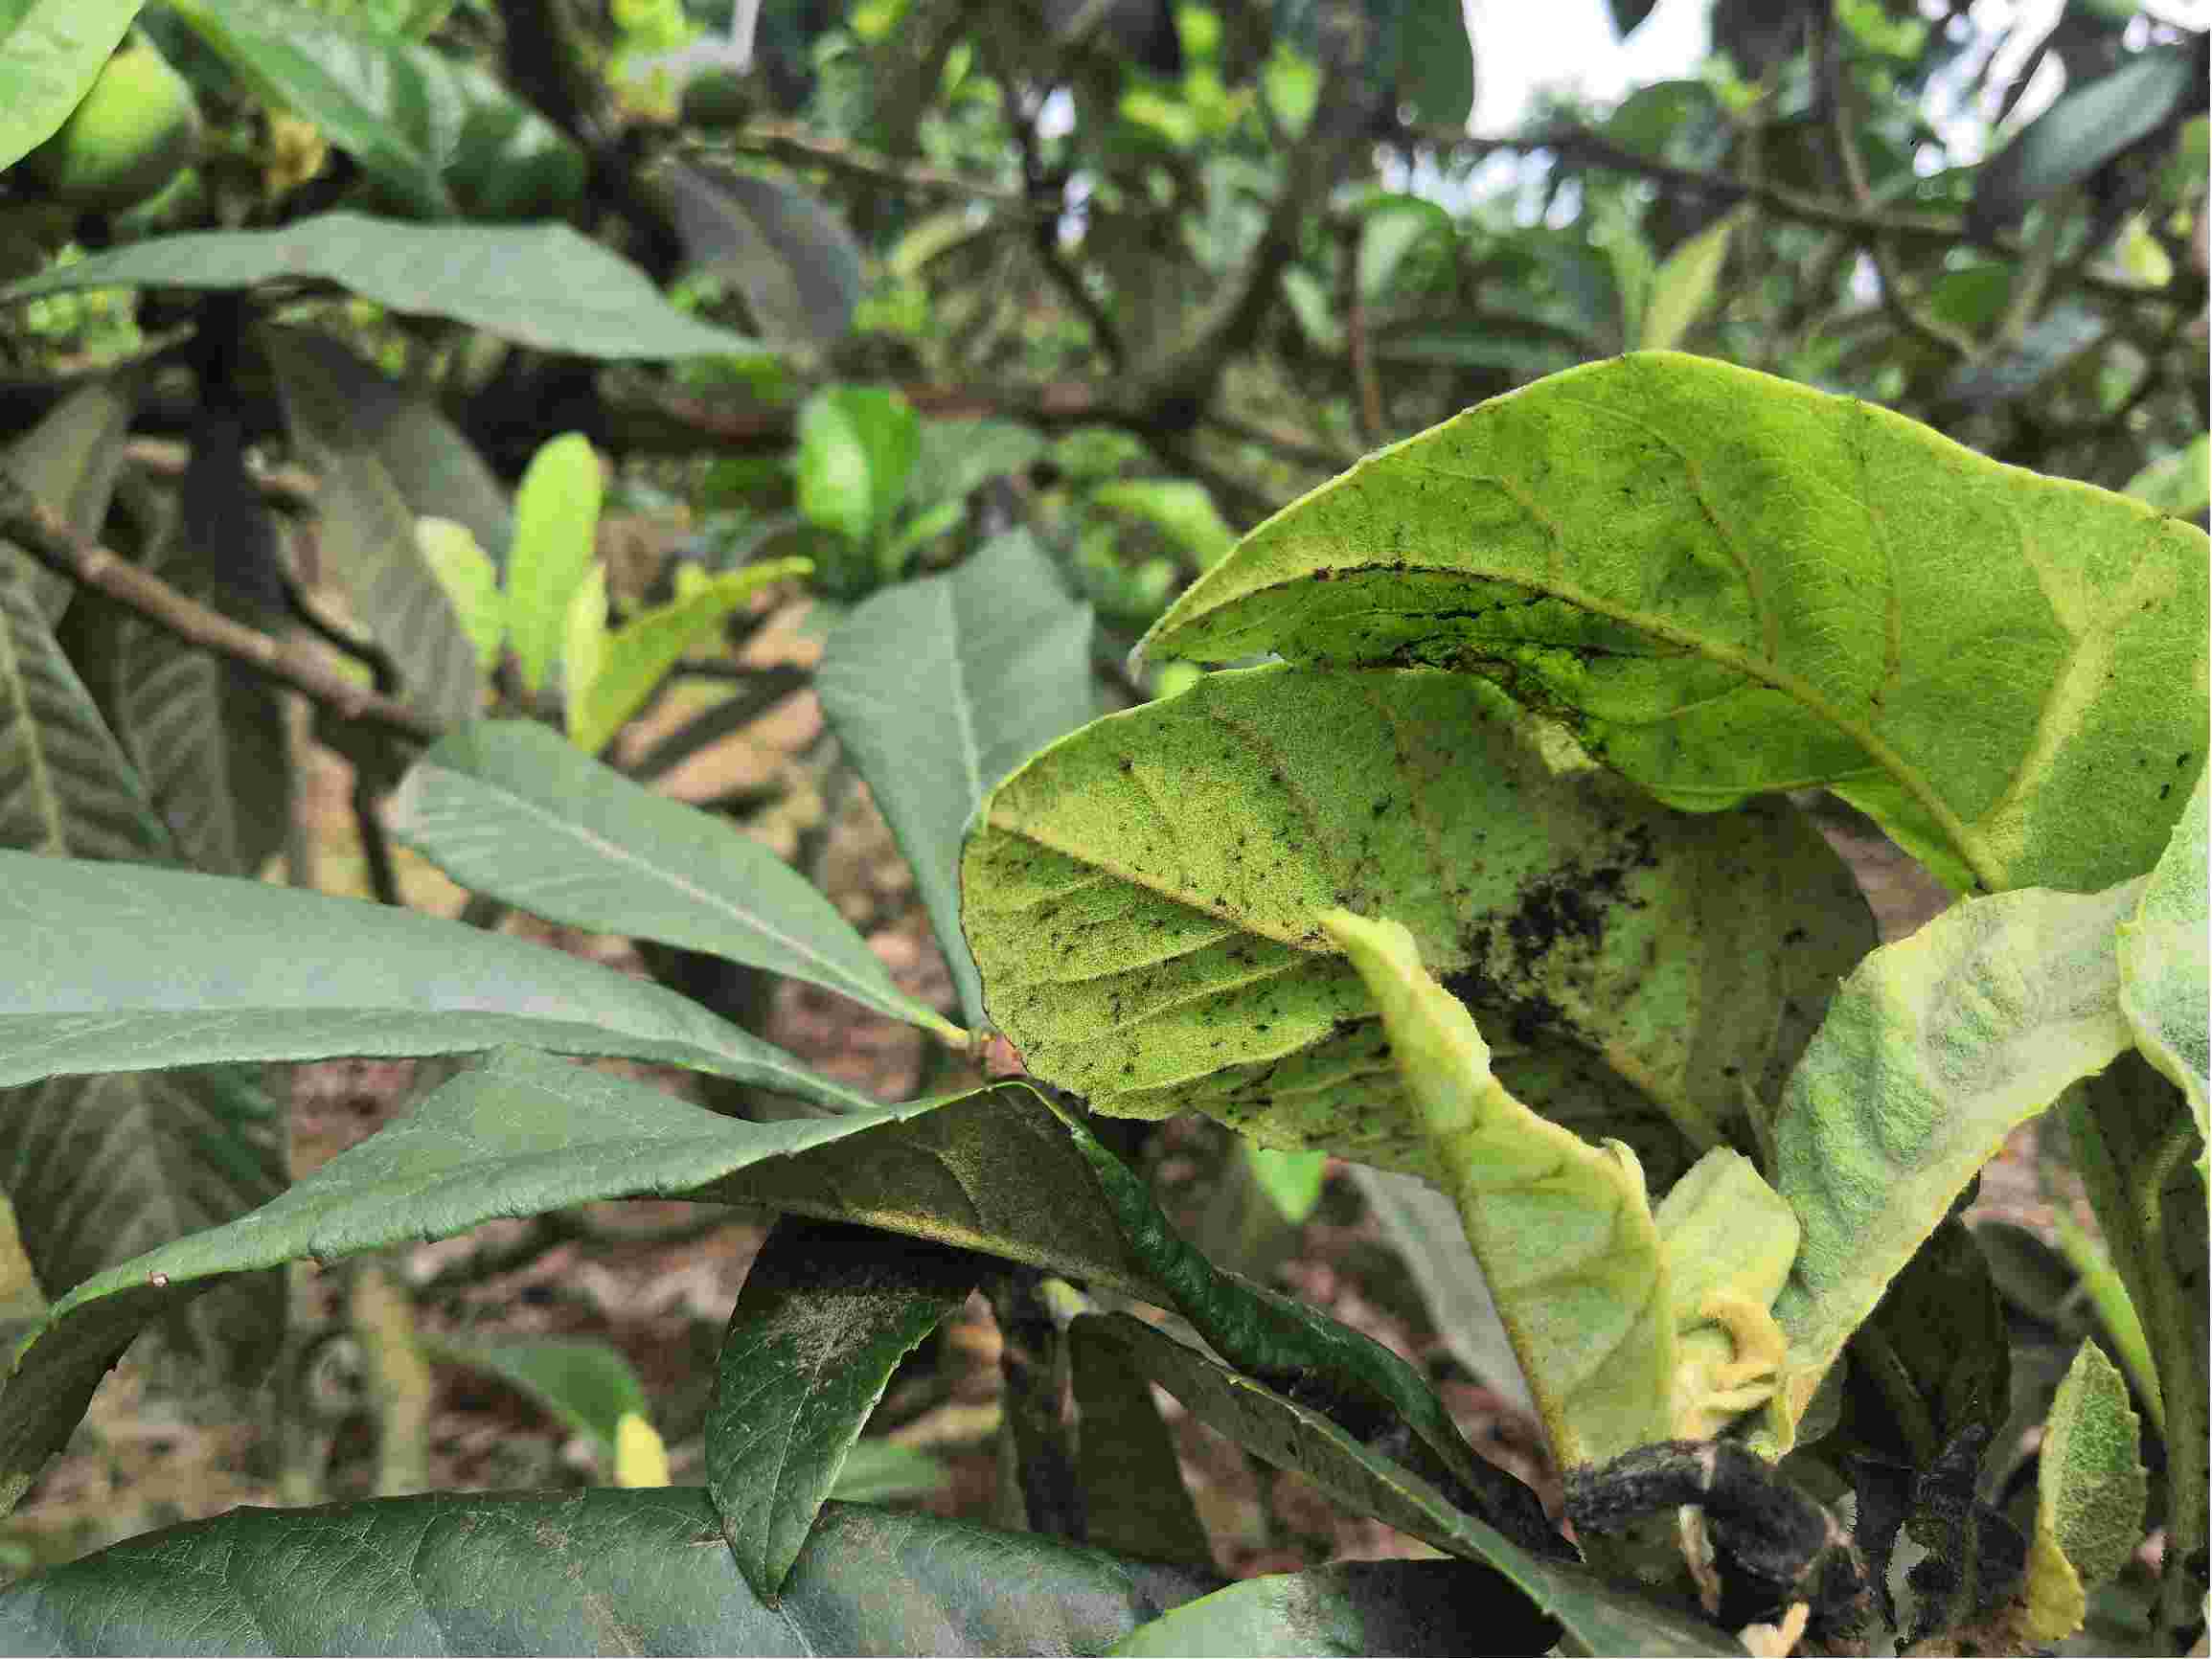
(46,536)
(786,142)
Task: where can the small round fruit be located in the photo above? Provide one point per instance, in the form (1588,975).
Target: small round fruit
(134,132)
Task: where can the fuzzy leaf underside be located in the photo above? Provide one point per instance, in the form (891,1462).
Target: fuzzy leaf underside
(1728,584)
(2165,982)
(1143,898)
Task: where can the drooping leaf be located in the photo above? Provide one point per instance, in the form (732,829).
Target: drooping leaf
(368,531)
(1603,1618)
(1178,509)
(96,985)
(51,52)
(1398,1608)
(939,688)
(506,807)
(857,446)
(2181,483)
(597,1571)
(1683,286)
(1363,1386)
(2165,982)
(785,251)
(1564,1229)
(1143,898)
(527,1134)
(2082,131)
(828,1312)
(556,519)
(1728,584)
(1934,1048)
(2090,1489)
(639,654)
(441,136)
(69,461)
(1422,1225)
(471,584)
(543,285)
(1133,1494)
(587,1385)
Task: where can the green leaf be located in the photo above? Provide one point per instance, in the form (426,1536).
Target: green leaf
(638,655)
(1132,1481)
(368,529)
(897,551)
(1684,285)
(939,688)
(69,461)
(2082,131)
(1556,1222)
(51,52)
(2090,1491)
(857,446)
(1435,65)
(1352,1607)
(2181,483)
(274,974)
(471,584)
(1288,1345)
(584,638)
(588,1386)
(527,1134)
(1287,1435)
(556,521)
(1390,228)
(441,136)
(877,1471)
(1143,898)
(506,807)
(1178,509)
(1932,1051)
(1727,585)
(827,1313)
(786,252)
(2165,981)
(1292,1180)
(544,285)
(598,1571)
(957,458)
(1422,1225)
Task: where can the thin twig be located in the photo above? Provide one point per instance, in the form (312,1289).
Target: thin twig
(1044,232)
(789,142)
(47,536)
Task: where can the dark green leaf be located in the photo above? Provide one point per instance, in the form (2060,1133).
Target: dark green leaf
(507,809)
(441,136)
(1435,65)
(827,1313)
(51,52)
(1628,13)
(2056,337)
(1394,1607)
(791,258)
(587,1385)
(1133,1496)
(96,983)
(1424,1226)
(590,1572)
(1289,1436)
(542,285)
(2081,132)
(69,461)
(1934,1357)
(937,688)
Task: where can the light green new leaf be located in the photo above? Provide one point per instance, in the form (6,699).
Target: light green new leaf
(1684,284)
(587,1385)
(2090,1489)
(2181,483)
(1562,1229)
(1143,900)
(471,582)
(543,285)
(2165,982)
(1390,228)
(857,446)
(598,1571)
(69,461)
(368,526)
(1292,1181)
(939,688)
(1180,509)
(584,634)
(51,52)
(1933,1049)
(506,807)
(1728,584)
(826,1314)
(637,656)
(1351,1608)
(555,520)
(97,983)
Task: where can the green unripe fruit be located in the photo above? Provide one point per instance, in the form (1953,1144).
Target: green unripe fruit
(134,132)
